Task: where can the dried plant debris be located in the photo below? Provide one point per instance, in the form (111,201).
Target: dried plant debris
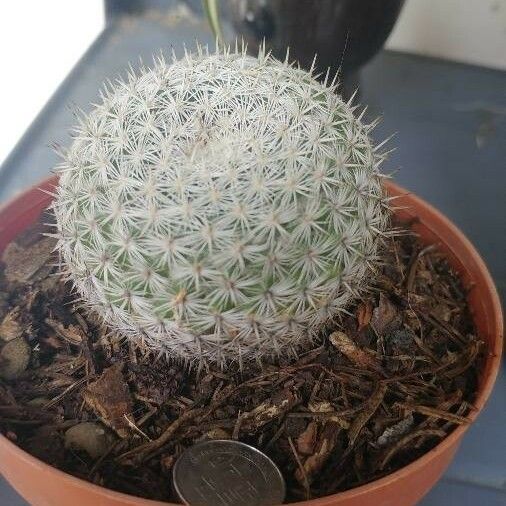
(387,384)
(28,259)
(109,398)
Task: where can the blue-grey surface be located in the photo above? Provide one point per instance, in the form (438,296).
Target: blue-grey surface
(451,142)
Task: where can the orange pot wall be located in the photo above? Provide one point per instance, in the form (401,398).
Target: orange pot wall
(42,485)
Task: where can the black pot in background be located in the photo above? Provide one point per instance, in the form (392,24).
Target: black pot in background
(343,33)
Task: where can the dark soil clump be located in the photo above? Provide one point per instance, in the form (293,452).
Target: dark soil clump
(386,385)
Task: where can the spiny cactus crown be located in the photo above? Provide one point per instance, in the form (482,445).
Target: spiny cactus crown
(220,207)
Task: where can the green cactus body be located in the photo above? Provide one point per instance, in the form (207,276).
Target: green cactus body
(222,207)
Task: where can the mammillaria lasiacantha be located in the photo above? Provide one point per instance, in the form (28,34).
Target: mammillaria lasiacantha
(222,207)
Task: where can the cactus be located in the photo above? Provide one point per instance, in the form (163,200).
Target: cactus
(221,207)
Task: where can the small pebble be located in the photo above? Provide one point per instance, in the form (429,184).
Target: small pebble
(14,358)
(38,401)
(92,438)
(10,328)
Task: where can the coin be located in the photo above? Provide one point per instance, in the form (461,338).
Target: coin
(227,473)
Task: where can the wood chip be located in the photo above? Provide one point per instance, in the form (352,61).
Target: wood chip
(71,333)
(306,440)
(11,328)
(383,315)
(425,433)
(22,263)
(216,433)
(436,413)
(324,407)
(364,314)
(167,463)
(410,280)
(110,398)
(370,408)
(140,453)
(269,410)
(352,352)
(325,446)
(396,431)
(302,476)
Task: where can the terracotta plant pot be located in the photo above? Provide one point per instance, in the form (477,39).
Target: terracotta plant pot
(42,485)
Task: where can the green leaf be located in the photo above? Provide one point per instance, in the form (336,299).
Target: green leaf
(213,15)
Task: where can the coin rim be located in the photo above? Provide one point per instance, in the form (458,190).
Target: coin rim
(228,442)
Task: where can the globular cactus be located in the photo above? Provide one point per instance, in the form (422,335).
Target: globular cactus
(222,207)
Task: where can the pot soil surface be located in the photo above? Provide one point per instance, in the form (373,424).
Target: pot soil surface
(385,385)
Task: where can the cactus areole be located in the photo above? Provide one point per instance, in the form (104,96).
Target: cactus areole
(221,207)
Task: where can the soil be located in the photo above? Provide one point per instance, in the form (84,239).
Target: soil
(385,385)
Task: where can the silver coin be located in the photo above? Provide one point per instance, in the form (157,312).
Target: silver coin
(227,473)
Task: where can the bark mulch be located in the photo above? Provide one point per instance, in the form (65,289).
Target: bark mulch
(391,380)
